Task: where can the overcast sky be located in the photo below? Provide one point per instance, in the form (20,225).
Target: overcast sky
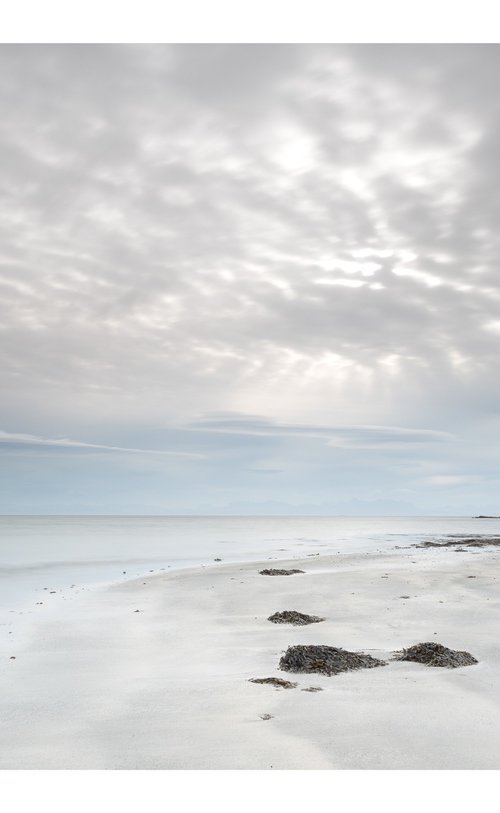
(250,279)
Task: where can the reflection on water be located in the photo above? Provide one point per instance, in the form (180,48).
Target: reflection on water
(42,554)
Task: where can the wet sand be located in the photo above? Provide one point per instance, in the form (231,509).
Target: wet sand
(97,684)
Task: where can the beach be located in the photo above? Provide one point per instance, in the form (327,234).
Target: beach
(249,415)
(154,672)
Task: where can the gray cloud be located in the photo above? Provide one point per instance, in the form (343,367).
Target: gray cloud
(350,437)
(22,439)
(305,233)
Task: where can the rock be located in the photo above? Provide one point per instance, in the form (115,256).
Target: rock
(217,560)
(273,681)
(327,660)
(312,689)
(272,571)
(431,653)
(266,717)
(294,617)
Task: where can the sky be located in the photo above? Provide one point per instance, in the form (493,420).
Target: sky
(250,279)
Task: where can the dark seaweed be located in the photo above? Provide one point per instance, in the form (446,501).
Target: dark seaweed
(273,681)
(294,617)
(327,660)
(431,653)
(273,571)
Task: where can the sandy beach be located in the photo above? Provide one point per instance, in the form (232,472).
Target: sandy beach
(154,673)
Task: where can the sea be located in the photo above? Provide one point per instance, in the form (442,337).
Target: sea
(45,555)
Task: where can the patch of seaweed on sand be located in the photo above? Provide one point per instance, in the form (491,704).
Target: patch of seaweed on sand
(273,681)
(294,617)
(431,653)
(462,541)
(274,571)
(326,660)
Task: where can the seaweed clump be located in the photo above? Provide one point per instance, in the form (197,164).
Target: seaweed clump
(274,571)
(273,681)
(327,660)
(431,653)
(463,541)
(294,617)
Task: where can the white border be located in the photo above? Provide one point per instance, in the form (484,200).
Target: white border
(225,21)
(247,791)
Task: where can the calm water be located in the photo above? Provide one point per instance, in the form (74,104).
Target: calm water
(41,554)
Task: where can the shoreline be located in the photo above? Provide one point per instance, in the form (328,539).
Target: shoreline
(105,686)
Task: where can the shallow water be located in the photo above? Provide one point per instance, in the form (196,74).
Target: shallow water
(42,554)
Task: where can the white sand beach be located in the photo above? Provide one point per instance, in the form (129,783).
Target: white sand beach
(97,684)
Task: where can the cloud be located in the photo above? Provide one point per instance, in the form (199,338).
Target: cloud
(32,440)
(447,480)
(302,232)
(348,437)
